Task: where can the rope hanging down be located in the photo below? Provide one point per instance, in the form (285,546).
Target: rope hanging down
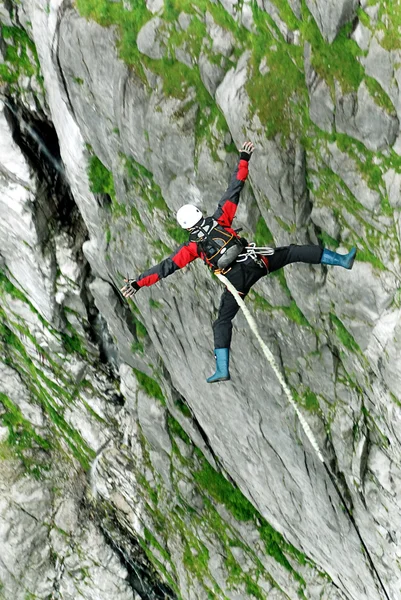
(268,354)
(275,367)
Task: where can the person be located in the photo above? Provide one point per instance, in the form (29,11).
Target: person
(214,240)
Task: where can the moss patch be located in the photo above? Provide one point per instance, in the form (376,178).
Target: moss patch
(149,385)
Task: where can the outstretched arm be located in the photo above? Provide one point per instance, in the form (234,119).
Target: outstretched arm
(227,206)
(181,257)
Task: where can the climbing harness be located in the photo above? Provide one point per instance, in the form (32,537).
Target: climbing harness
(268,354)
(253,251)
(220,246)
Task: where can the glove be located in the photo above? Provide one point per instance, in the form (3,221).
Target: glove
(246,150)
(130,288)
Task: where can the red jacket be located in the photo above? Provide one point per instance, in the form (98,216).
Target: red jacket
(187,252)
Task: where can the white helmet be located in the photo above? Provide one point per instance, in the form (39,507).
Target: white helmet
(188,216)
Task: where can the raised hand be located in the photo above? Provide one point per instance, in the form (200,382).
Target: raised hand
(246,150)
(130,288)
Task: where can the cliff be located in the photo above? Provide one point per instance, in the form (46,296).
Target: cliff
(123,474)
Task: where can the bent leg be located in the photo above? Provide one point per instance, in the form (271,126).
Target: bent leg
(289,254)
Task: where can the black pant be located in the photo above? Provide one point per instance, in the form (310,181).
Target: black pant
(244,275)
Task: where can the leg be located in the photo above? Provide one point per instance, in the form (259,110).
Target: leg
(223,326)
(242,276)
(290,254)
(222,330)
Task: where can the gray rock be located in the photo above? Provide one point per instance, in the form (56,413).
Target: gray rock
(117,317)
(22,233)
(384,66)
(358,115)
(211,74)
(324,217)
(321,106)
(5,16)
(331,15)
(362,35)
(154,5)
(152,418)
(271,460)
(184,20)
(247,16)
(13,387)
(295,7)
(393,185)
(264,67)
(182,55)
(379,64)
(151,38)
(273,11)
(223,40)
(345,167)
(372,12)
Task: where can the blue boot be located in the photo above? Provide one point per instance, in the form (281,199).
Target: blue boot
(222,356)
(338,260)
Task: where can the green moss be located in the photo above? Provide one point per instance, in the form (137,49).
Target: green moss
(365,255)
(183,408)
(310,402)
(275,546)
(259,302)
(294,313)
(155,304)
(108,235)
(100,178)
(42,390)
(263,235)
(196,557)
(141,334)
(118,210)
(22,439)
(141,181)
(150,538)
(176,429)
(149,385)
(254,590)
(275,96)
(137,347)
(161,250)
(389,22)
(286,14)
(379,95)
(137,219)
(344,335)
(20,56)
(366,161)
(128,23)
(336,61)
(140,328)
(223,491)
(363,17)
(327,241)
(177,233)
(73,342)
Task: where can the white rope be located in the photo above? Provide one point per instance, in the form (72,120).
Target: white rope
(254,252)
(306,428)
(275,367)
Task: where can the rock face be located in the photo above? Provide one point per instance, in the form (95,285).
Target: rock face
(123,474)
(331,15)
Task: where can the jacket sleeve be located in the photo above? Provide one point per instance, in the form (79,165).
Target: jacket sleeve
(181,257)
(227,206)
